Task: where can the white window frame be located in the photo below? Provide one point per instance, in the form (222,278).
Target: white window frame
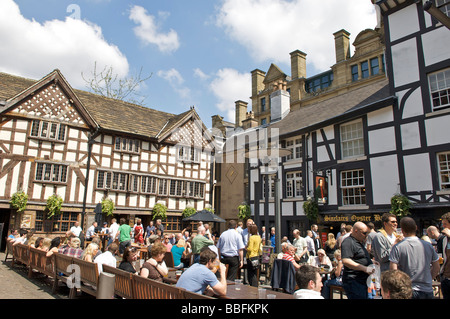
(353,189)
(294,184)
(149,184)
(51,172)
(352,139)
(48,130)
(271,188)
(188,154)
(439,85)
(444,170)
(123,144)
(296,147)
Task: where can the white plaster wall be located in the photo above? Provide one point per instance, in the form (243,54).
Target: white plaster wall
(418,172)
(405,62)
(403,22)
(410,135)
(300,211)
(381,116)
(413,104)
(385,179)
(382,140)
(438,130)
(435,45)
(287,209)
(322,154)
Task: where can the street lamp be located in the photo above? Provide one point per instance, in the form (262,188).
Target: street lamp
(266,157)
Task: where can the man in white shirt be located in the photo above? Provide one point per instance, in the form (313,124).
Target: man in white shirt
(309,281)
(113,230)
(76,229)
(310,243)
(91,231)
(301,255)
(107,258)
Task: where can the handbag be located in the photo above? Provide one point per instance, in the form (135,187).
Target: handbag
(255,262)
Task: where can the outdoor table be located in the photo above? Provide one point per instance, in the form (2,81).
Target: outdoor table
(250,292)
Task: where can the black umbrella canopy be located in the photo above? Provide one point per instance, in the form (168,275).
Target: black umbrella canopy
(205,216)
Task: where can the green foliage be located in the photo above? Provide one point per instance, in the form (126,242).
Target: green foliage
(311,209)
(108,206)
(400,205)
(189,211)
(159,211)
(54,204)
(244,211)
(19,201)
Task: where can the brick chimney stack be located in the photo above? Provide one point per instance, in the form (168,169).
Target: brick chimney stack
(342,45)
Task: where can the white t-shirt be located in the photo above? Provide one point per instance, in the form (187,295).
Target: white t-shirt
(307,294)
(76,230)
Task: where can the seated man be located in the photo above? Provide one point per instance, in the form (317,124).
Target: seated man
(200,277)
(309,281)
(290,255)
(107,258)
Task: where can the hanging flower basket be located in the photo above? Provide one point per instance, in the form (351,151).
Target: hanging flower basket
(244,211)
(108,206)
(54,204)
(19,201)
(189,211)
(400,205)
(311,209)
(159,211)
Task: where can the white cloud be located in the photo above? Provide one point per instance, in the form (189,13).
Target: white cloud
(176,82)
(148,30)
(271,29)
(229,86)
(198,73)
(32,49)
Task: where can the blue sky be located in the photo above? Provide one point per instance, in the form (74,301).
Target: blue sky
(200,52)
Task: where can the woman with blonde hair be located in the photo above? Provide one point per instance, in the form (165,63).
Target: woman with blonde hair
(46,242)
(179,252)
(91,252)
(330,246)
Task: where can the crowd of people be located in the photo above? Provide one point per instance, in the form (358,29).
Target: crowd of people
(387,263)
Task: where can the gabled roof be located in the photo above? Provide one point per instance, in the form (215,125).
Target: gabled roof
(274,73)
(107,114)
(335,109)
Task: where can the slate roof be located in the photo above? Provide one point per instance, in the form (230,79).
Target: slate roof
(330,111)
(110,114)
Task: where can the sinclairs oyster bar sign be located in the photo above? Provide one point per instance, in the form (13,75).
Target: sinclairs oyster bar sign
(352,218)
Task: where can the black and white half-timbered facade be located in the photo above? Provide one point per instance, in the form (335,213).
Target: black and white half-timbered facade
(85,147)
(386,134)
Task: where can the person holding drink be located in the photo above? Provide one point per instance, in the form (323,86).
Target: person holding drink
(200,277)
(384,240)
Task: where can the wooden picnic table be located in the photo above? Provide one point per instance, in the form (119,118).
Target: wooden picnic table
(250,292)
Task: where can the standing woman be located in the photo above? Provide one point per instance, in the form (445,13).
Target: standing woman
(253,254)
(330,246)
(139,232)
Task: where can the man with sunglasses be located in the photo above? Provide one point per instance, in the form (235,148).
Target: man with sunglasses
(384,240)
(356,260)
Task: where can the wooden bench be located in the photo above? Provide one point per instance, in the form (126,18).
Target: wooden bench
(9,250)
(40,263)
(123,285)
(144,288)
(334,288)
(88,276)
(63,272)
(21,254)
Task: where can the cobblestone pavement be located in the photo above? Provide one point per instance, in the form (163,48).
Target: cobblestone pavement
(15,284)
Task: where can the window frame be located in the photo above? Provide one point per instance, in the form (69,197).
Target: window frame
(344,142)
(443,92)
(294,184)
(44,168)
(358,189)
(37,130)
(444,172)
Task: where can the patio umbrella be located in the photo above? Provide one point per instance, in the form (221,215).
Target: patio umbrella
(205,216)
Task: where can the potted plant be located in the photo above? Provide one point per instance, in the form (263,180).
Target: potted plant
(107,206)
(54,204)
(311,209)
(400,205)
(244,211)
(189,211)
(19,201)
(159,211)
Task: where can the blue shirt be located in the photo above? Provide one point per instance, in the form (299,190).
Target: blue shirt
(177,253)
(196,278)
(230,242)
